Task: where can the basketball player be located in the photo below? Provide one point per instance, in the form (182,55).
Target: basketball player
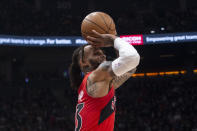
(95,110)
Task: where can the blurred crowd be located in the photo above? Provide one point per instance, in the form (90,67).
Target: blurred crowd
(160,103)
(64,17)
(34,107)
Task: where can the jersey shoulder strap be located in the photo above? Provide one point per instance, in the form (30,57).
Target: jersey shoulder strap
(84,82)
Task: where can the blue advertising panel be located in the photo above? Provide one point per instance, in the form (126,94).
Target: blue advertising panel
(77,40)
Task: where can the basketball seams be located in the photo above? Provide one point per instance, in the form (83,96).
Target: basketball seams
(108,26)
(101,22)
(104,22)
(111,25)
(95,24)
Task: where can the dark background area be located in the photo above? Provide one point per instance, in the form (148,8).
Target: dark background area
(48,17)
(35,94)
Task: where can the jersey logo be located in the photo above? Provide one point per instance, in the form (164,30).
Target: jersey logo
(113,105)
(80,95)
(108,110)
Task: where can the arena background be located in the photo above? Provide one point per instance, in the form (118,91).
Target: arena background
(34,83)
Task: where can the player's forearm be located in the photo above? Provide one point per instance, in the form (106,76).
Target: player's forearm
(128,57)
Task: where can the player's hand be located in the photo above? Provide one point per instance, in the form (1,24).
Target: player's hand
(101,40)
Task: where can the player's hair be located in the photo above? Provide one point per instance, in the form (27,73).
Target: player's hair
(75,72)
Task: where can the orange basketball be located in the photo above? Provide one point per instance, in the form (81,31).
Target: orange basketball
(98,21)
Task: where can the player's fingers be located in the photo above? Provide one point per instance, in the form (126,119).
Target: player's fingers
(96,33)
(91,43)
(92,39)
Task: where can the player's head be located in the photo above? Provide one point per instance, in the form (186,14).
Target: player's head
(85,59)
(92,58)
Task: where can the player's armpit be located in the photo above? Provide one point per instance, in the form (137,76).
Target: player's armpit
(119,80)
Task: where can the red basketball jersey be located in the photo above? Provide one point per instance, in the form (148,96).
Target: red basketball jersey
(94,114)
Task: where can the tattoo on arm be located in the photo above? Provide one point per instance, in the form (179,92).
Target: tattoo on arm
(119,80)
(104,73)
(91,87)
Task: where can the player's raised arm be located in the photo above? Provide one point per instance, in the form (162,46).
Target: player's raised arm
(128,57)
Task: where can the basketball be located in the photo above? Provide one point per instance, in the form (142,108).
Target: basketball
(98,21)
